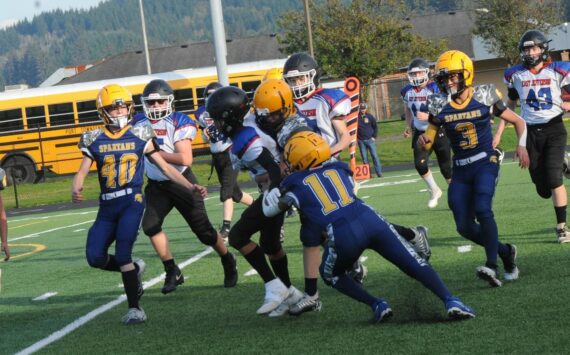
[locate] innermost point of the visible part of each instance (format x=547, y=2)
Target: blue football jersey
x=324, y=195
x=468, y=126
x=119, y=156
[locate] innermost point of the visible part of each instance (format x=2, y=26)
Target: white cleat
x=134, y=316
x=275, y=293
x=294, y=296
x=435, y=195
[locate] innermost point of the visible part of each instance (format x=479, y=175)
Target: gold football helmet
x=451, y=63
x=113, y=96
x=272, y=104
x=305, y=150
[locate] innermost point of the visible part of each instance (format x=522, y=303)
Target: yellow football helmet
x=305, y=150
x=274, y=73
x=272, y=104
x=454, y=62
x=113, y=96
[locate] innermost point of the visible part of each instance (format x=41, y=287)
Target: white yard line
x=99, y=310
x=45, y=296
x=34, y=235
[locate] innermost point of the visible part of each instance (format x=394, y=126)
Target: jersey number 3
x=320, y=191
x=126, y=167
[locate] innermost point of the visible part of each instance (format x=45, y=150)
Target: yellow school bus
x=40, y=127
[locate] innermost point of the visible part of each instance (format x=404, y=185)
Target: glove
x=270, y=203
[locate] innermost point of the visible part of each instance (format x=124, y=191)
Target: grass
x=393, y=149
x=525, y=317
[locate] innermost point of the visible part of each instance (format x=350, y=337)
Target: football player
x=118, y=151
x=175, y=132
x=277, y=115
x=257, y=152
x=415, y=96
x=230, y=191
x=539, y=84
x=323, y=190
x=467, y=123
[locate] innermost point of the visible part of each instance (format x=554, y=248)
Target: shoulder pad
x=433, y=87
x=87, y=138
x=486, y=94
x=562, y=68
x=405, y=90
x=436, y=102
x=143, y=131
x=292, y=125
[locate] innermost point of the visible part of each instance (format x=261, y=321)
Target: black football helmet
x=533, y=38
x=210, y=88
x=228, y=106
x=418, y=72
x=157, y=90
x=302, y=73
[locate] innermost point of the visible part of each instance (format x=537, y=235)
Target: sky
x=16, y=10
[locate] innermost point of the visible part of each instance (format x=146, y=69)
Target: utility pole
x=147, y=57
x=219, y=41
x=309, y=32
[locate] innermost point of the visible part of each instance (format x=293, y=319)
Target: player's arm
x=565, y=105
x=409, y=122
x=182, y=154
x=79, y=179
x=4, y=230
x=426, y=139
x=339, y=125
x=153, y=153
x=508, y=115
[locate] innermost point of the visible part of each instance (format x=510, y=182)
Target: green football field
x=51, y=301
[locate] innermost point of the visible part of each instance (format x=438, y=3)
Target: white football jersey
x=248, y=143
x=539, y=93
x=170, y=130
x=416, y=101
x=323, y=106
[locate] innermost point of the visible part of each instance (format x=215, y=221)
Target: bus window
x=36, y=117
x=11, y=120
x=87, y=111
x=61, y=114
x=184, y=101
x=138, y=103
x=200, y=97
x=249, y=87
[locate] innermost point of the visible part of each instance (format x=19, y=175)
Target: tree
x=503, y=24
x=367, y=39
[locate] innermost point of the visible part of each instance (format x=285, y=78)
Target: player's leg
x=100, y=236
x=421, y=160
x=442, y=150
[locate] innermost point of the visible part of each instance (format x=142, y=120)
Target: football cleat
x=275, y=293
x=500, y=153
x=306, y=304
x=230, y=271
x=134, y=316
x=458, y=310
x=141, y=266
x=291, y=212
x=382, y=311
x=511, y=269
x=282, y=235
x=294, y=296
x=420, y=242
x=172, y=279
x=434, y=197
x=563, y=234
x=358, y=272
x=566, y=167
x=490, y=275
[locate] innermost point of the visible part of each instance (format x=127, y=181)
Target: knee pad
x=225, y=195
x=554, y=181
x=151, y=231
x=272, y=247
x=236, y=197
x=96, y=261
x=421, y=166
x=543, y=191
x=236, y=239
x=209, y=238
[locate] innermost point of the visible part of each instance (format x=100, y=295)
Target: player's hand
x=565, y=106
x=522, y=155
x=407, y=132
x=76, y=195
x=6, y=250
x=496, y=141
x=423, y=140
x=272, y=196
x=201, y=190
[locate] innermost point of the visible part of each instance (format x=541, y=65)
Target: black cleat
x=230, y=270
x=173, y=278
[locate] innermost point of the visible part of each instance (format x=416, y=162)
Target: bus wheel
x=19, y=168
